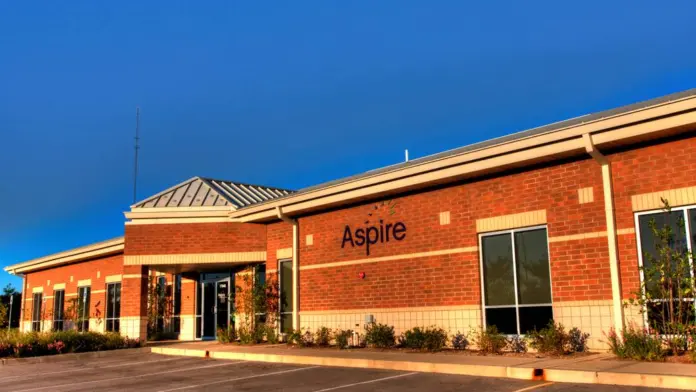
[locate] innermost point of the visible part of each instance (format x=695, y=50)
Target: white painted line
x=365, y=382
x=238, y=379
x=85, y=369
x=534, y=387
x=129, y=377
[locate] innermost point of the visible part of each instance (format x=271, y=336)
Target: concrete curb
x=74, y=356
x=521, y=373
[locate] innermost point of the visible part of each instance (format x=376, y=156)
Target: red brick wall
x=278, y=236
x=454, y=279
x=667, y=165
x=194, y=238
x=111, y=265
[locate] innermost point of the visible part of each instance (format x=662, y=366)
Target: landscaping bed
x=14, y=344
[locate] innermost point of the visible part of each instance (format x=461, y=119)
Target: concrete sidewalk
x=593, y=369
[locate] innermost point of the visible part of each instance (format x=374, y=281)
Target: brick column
x=134, y=301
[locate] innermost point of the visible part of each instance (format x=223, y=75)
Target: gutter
x=609, y=214
x=295, y=266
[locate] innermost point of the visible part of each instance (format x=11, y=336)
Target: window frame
x=58, y=317
x=82, y=321
x=517, y=306
x=639, y=247
x=280, y=295
x=36, y=312
x=115, y=321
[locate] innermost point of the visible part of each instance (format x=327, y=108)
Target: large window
x=682, y=224
x=176, y=304
x=58, y=305
x=113, y=307
x=286, y=305
x=516, y=280
x=37, y=301
x=260, y=282
x=83, y=297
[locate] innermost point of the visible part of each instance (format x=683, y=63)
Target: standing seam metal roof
x=208, y=192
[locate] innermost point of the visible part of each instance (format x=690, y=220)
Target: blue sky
x=291, y=94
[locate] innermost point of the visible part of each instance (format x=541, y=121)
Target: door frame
x=214, y=280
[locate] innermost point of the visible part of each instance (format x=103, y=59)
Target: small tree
x=668, y=286
x=256, y=300
x=158, y=306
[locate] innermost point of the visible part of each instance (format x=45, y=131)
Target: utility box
x=369, y=319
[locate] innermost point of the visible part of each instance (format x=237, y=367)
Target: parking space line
x=366, y=382
x=534, y=387
x=129, y=377
x=91, y=368
x=238, y=379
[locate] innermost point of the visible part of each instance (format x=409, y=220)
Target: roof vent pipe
x=406, y=153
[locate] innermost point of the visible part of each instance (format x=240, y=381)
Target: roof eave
x=98, y=249
x=616, y=129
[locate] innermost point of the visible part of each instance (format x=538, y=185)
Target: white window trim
x=514, y=272
x=687, y=227
x=106, y=313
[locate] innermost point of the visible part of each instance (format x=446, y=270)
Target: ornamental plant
x=379, y=335
x=257, y=307
x=667, y=288
x=489, y=340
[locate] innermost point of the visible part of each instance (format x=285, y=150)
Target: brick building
x=548, y=223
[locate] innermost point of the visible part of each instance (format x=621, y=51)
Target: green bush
x=228, y=335
x=490, y=341
x=342, y=337
x=155, y=336
x=271, y=334
x=636, y=344
x=460, y=341
x=550, y=340
x=379, y=335
x=19, y=344
x=517, y=344
x=294, y=338
x=431, y=339
x=323, y=336
x=577, y=340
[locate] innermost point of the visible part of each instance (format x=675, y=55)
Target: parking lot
x=152, y=372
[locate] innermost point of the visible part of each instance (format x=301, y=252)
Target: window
x=36, y=312
x=260, y=281
x=176, y=311
x=682, y=222
x=58, y=308
x=516, y=280
x=83, y=296
x=113, y=307
x=285, y=272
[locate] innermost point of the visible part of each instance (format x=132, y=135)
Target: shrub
x=163, y=335
x=294, y=337
x=550, y=340
x=323, y=336
x=307, y=339
x=517, y=344
x=379, y=335
x=50, y=343
x=342, y=337
x=460, y=341
x=489, y=340
x=271, y=334
x=226, y=335
x=246, y=335
x=577, y=340
x=636, y=344
x=431, y=339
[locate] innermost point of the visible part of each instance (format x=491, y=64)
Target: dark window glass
x=199, y=309
x=533, y=276
x=58, y=309
x=286, y=296
x=260, y=274
x=83, y=299
x=113, y=307
x=498, y=279
x=37, y=300
x=505, y=319
x=658, y=314
x=177, y=295
x=649, y=243
x=534, y=318
x=530, y=261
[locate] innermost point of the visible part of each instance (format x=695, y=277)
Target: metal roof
x=208, y=192
x=550, y=128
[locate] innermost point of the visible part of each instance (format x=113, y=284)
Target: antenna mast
x=137, y=147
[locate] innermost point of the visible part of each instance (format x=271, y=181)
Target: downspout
x=611, y=230
x=295, y=266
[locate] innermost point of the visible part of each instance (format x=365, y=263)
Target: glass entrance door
x=215, y=293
